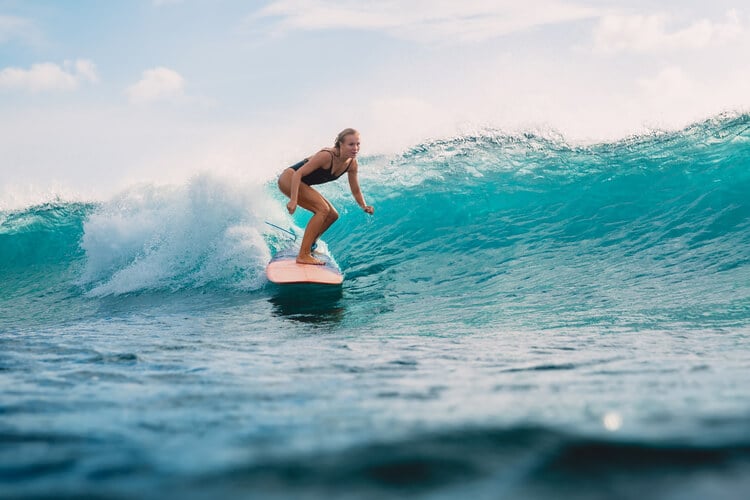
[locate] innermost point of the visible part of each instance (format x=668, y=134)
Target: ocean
x=522, y=317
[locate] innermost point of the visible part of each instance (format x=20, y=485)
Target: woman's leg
x=313, y=201
x=333, y=215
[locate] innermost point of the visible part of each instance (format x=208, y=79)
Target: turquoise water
x=521, y=317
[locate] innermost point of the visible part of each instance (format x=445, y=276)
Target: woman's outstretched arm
x=356, y=191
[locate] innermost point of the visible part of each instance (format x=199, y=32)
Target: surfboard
x=284, y=270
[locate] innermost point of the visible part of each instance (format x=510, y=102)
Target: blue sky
x=100, y=94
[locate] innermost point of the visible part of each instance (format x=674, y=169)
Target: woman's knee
x=323, y=210
x=333, y=215
x=284, y=183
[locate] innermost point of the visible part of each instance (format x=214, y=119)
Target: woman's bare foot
x=309, y=259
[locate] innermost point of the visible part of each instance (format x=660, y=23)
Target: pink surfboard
x=284, y=270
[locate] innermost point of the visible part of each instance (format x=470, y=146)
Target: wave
x=208, y=232
x=491, y=462
x=523, y=462
x=643, y=230
x=44, y=233
x=660, y=221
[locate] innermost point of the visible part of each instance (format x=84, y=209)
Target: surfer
x=326, y=165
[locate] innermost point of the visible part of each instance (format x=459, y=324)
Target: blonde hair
x=342, y=134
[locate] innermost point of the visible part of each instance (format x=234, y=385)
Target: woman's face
x=350, y=146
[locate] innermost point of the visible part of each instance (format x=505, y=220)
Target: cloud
x=86, y=70
x=675, y=96
x=17, y=28
x=617, y=33
x=157, y=84
x=670, y=83
x=444, y=21
x=416, y=118
x=49, y=76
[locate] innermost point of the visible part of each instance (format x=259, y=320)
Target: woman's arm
x=318, y=160
x=356, y=191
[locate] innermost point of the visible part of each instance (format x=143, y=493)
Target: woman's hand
x=369, y=210
x=291, y=206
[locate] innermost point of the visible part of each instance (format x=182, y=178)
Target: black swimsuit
x=322, y=175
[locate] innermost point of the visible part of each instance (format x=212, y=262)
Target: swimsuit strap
x=331, y=167
x=347, y=167
x=331, y=153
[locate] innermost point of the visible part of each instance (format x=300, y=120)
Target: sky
x=98, y=95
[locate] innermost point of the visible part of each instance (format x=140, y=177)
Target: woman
x=324, y=166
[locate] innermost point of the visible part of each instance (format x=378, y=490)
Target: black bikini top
x=322, y=175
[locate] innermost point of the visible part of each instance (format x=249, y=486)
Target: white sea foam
x=209, y=231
